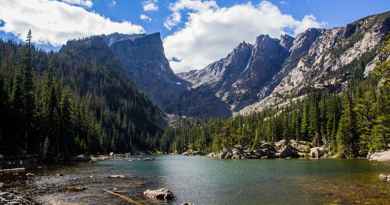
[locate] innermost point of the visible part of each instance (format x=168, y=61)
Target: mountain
x=274, y=71
x=334, y=57
x=142, y=58
x=90, y=67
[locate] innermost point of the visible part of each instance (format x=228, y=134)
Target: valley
x=106, y=120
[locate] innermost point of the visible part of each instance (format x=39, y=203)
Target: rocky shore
x=283, y=149
x=13, y=198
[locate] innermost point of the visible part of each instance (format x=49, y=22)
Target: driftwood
x=123, y=197
x=12, y=171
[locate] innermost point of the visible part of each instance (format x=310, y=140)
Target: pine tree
x=347, y=139
x=365, y=113
x=28, y=91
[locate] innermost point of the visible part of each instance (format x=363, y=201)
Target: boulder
x=379, y=156
x=384, y=177
x=236, y=151
x=228, y=155
x=301, y=146
x=82, y=158
x=280, y=145
x=221, y=155
x=212, y=155
x=236, y=157
x=159, y=194
x=1, y=185
x=317, y=152
x=288, y=152
x=238, y=146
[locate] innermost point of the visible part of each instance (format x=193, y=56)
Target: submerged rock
x=159, y=194
x=380, y=156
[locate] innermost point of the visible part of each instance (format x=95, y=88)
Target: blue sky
x=197, y=32
x=332, y=12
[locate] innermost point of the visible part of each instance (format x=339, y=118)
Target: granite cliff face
x=253, y=76
x=273, y=71
x=332, y=57
x=142, y=59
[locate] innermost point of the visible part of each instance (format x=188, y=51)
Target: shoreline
x=81, y=183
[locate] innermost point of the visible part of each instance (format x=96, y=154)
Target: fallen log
x=12, y=171
x=123, y=197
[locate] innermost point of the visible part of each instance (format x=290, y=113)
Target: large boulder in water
x=159, y=194
x=380, y=156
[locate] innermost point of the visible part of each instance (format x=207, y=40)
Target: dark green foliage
x=57, y=105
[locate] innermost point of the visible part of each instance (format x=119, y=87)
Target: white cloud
x=191, y=5
x=56, y=22
x=308, y=21
x=211, y=32
x=145, y=17
x=85, y=3
x=150, y=5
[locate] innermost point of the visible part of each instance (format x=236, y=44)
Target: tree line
x=56, y=105
x=352, y=123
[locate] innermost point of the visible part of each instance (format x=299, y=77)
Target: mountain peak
x=286, y=41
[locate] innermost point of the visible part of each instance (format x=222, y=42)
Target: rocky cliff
x=272, y=71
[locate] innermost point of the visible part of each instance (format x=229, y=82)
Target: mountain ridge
x=317, y=59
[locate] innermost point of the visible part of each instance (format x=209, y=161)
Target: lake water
x=203, y=181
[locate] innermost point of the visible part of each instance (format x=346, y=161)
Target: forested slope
x=56, y=105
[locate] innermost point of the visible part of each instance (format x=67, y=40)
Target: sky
x=194, y=32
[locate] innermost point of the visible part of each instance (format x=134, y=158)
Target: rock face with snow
x=253, y=76
x=144, y=58
x=326, y=59
x=271, y=71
